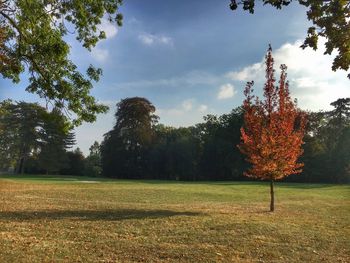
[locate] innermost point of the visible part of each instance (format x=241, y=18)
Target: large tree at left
x=32, y=40
x=27, y=131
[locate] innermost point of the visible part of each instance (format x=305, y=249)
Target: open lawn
x=69, y=219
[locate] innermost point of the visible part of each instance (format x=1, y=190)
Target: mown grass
x=70, y=219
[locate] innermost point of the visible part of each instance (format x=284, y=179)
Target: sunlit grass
x=70, y=219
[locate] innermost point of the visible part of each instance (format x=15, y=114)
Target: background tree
x=75, y=163
x=219, y=160
x=56, y=138
x=92, y=165
x=6, y=135
x=340, y=163
x=21, y=127
x=336, y=138
x=29, y=132
x=129, y=141
x=273, y=130
x=330, y=18
x=175, y=153
x=340, y=116
x=315, y=150
x=32, y=40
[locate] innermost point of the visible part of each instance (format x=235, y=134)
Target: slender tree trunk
x=22, y=165
x=19, y=164
x=272, y=193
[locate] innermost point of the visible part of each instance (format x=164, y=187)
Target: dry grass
x=60, y=220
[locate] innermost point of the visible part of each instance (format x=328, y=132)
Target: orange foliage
x=273, y=129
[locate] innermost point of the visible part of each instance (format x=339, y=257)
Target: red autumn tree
x=273, y=130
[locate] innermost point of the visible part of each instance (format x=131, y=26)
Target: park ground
x=72, y=219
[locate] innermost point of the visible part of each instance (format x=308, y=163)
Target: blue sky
x=192, y=58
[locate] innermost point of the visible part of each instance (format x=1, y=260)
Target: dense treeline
x=34, y=140
x=327, y=145
x=139, y=147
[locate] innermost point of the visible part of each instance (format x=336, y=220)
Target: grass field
x=68, y=219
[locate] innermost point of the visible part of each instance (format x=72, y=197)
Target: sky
x=191, y=58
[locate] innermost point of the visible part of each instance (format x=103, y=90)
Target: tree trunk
x=19, y=165
x=22, y=165
x=272, y=193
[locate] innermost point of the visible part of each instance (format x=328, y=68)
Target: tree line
x=34, y=140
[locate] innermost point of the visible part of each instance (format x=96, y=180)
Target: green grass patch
x=79, y=219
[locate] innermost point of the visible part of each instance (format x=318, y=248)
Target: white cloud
x=311, y=79
x=133, y=21
x=194, y=78
x=226, y=91
x=150, y=39
x=202, y=108
x=187, y=105
x=146, y=39
x=165, y=40
x=247, y=73
x=184, y=114
x=110, y=28
x=100, y=54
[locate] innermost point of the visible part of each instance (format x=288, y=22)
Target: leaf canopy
x=32, y=40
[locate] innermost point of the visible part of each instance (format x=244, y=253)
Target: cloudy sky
x=192, y=58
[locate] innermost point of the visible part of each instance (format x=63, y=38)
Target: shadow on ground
x=92, y=215
x=277, y=184
x=244, y=183
x=306, y=185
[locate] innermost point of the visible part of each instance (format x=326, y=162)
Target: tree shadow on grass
x=306, y=185
x=92, y=215
x=277, y=184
